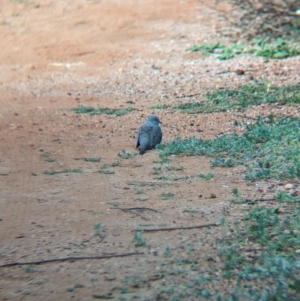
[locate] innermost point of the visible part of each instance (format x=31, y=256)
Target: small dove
x=149, y=134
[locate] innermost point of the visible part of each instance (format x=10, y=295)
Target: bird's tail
x=142, y=150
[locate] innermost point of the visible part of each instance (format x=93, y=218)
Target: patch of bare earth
x=57, y=55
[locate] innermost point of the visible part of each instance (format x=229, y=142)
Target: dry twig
x=128, y=210
x=142, y=208
x=178, y=228
x=70, y=258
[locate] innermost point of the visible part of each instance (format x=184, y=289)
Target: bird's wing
x=156, y=136
x=144, y=135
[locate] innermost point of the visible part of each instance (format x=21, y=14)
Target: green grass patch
x=149, y=184
x=170, y=178
x=274, y=272
x=248, y=95
x=125, y=155
x=100, y=110
x=47, y=158
x=268, y=48
x=104, y=169
x=142, y=200
x=98, y=229
x=106, y=172
x=206, y=176
x=138, y=191
x=167, y=252
x=160, y=106
x=123, y=290
x=138, y=239
x=68, y=170
x=268, y=149
x=91, y=159
x=222, y=52
x=135, y=281
x=28, y=268
x=192, y=211
x=257, y=260
x=274, y=50
x=206, y=47
x=167, y=196
x=224, y=100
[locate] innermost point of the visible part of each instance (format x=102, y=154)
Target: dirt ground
x=57, y=55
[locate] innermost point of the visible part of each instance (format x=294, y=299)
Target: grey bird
x=149, y=134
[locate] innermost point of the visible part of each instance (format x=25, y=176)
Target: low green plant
x=100, y=110
x=186, y=261
x=248, y=95
x=28, y=268
x=206, y=47
x=190, y=248
x=274, y=272
x=167, y=195
x=230, y=51
x=68, y=170
x=278, y=49
x=223, y=52
x=160, y=106
x=142, y=199
x=208, y=176
x=268, y=148
x=135, y=281
x=170, y=177
x=138, y=239
x=167, y=252
x=98, y=229
x=283, y=196
x=139, y=191
x=92, y=159
x=157, y=169
x=104, y=169
x=193, y=211
x=265, y=47
x=123, y=290
x=236, y=196
x=75, y=170
x=232, y=259
x=47, y=158
x=125, y=155
x=222, y=162
x=148, y=184
x=235, y=192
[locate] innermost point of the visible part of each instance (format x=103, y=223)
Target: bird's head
x=154, y=119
